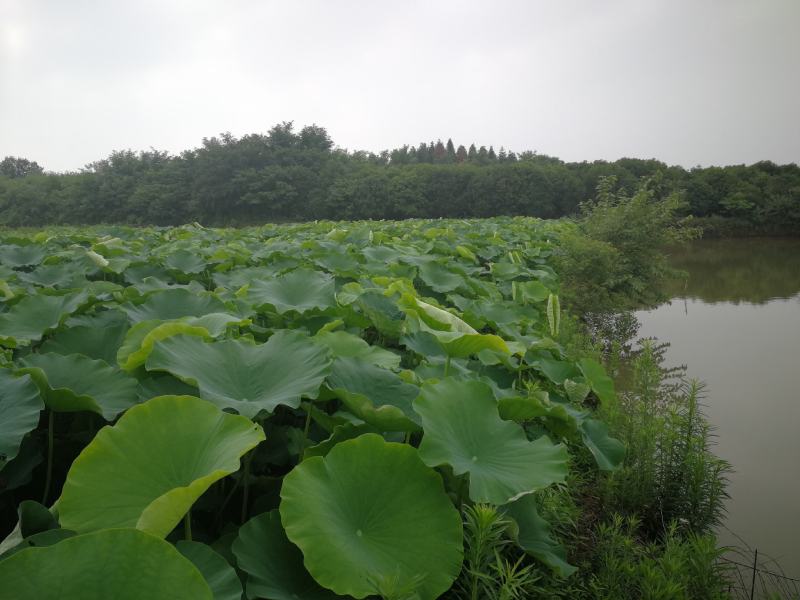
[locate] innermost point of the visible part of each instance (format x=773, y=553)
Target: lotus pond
x=283, y=412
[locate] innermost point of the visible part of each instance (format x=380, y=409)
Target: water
x=736, y=325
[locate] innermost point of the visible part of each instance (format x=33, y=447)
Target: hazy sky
x=689, y=82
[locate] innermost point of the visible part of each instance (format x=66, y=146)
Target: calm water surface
x=736, y=325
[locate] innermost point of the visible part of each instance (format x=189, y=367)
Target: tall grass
x=670, y=474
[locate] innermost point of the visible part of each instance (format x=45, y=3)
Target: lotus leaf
x=375, y=395
x=20, y=405
x=125, y=564
x=607, y=451
x=371, y=511
x=30, y=318
x=166, y=305
x=75, y=382
x=300, y=290
x=21, y=256
x=274, y=565
x=148, y=469
x=463, y=428
x=246, y=377
x=532, y=533
x=99, y=338
x=598, y=380
x=219, y=575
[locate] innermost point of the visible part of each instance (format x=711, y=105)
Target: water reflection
x=753, y=270
x=735, y=323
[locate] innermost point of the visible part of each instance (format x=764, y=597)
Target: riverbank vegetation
x=293, y=174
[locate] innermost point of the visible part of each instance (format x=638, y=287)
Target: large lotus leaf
x=124, y=564
x=30, y=318
x=344, y=344
x=100, y=338
x=21, y=256
x=370, y=512
x=596, y=377
x=532, y=533
x=274, y=565
x=219, y=575
x=382, y=312
x=299, y=290
x=186, y=262
x=20, y=405
x=375, y=395
x=72, y=383
x=148, y=469
x=463, y=428
x=555, y=370
x=171, y=304
x=607, y=451
x=246, y=377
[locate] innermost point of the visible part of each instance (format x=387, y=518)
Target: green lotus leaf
x=439, y=278
x=30, y=318
x=344, y=344
x=274, y=565
x=299, y=290
x=532, y=533
x=607, y=451
x=246, y=377
x=62, y=275
x=34, y=518
x=219, y=575
x=530, y=291
x=163, y=384
x=37, y=540
x=340, y=433
x=382, y=312
x=99, y=338
x=141, y=338
x=125, y=564
x=186, y=262
x=521, y=408
x=556, y=371
x=598, y=380
x=19, y=471
x=463, y=428
x=72, y=383
x=371, y=511
x=375, y=395
x=148, y=469
x=20, y=405
x=21, y=256
x=166, y=305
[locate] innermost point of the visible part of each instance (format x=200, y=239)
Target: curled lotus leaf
x=148, y=469
x=370, y=511
x=463, y=429
x=20, y=405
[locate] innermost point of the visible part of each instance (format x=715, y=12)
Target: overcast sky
x=689, y=82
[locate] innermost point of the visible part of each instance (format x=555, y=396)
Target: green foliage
x=681, y=567
x=613, y=257
x=669, y=473
x=290, y=174
x=379, y=399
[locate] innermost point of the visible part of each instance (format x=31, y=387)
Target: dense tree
x=15, y=167
x=289, y=174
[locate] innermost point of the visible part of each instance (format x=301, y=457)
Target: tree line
x=291, y=174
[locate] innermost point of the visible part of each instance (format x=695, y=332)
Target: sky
x=690, y=82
